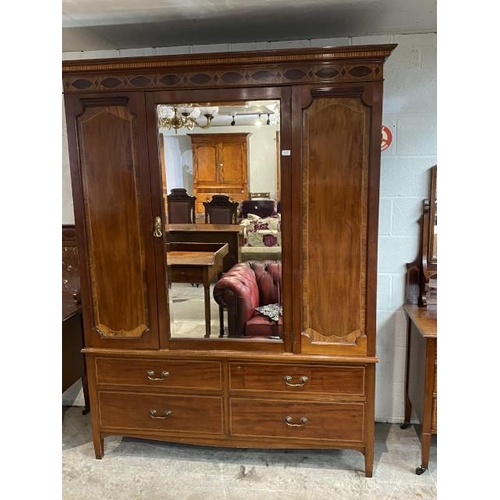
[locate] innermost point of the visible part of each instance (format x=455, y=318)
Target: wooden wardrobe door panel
x=206, y=164
x=117, y=216
x=233, y=164
x=334, y=207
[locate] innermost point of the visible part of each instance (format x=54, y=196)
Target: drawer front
x=199, y=414
x=332, y=380
x=185, y=274
x=159, y=373
x=297, y=420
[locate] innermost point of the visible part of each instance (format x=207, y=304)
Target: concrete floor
x=150, y=470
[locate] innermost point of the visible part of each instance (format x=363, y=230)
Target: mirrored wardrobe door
x=220, y=175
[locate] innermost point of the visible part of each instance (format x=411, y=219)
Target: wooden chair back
x=180, y=207
x=221, y=210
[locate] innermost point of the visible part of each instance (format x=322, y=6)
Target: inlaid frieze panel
x=334, y=65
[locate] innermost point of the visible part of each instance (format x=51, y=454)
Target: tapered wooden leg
x=86, y=397
x=221, y=321
x=207, y=311
x=369, y=462
x=98, y=444
x=370, y=420
x=426, y=449
x=406, y=422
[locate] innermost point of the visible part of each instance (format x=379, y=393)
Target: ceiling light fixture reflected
x=177, y=116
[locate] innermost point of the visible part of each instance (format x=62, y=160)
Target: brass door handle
x=157, y=224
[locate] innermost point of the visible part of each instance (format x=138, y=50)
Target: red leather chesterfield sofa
x=245, y=287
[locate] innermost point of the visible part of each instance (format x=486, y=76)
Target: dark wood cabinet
x=315, y=386
x=220, y=166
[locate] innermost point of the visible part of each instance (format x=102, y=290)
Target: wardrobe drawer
x=159, y=373
x=332, y=380
x=194, y=414
x=297, y=420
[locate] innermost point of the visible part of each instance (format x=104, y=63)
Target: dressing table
x=421, y=312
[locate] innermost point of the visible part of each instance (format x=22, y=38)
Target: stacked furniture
x=313, y=386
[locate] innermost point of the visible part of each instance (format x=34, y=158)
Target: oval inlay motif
x=263, y=75
x=327, y=73
x=140, y=81
x=294, y=74
x=170, y=80
x=231, y=77
x=360, y=71
x=82, y=84
x=110, y=83
x=200, y=78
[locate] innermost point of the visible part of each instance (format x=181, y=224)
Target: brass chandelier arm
x=183, y=116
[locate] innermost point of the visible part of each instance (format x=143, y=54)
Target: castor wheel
x=420, y=470
x=405, y=425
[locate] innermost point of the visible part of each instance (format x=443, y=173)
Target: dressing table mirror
x=421, y=286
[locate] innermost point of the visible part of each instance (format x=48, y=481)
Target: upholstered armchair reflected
x=261, y=207
x=180, y=207
x=221, y=210
x=246, y=287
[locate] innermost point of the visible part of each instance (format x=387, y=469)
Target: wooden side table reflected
x=197, y=263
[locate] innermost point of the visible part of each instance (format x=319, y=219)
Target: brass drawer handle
x=166, y=413
x=302, y=381
x=162, y=376
x=289, y=422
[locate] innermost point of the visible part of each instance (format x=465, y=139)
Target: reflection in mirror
x=222, y=153
x=433, y=217
x=428, y=283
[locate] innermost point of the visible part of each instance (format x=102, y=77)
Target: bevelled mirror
x=220, y=170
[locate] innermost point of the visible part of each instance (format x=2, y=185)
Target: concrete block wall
x=410, y=112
